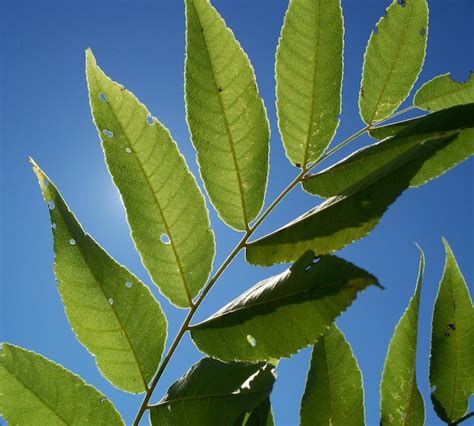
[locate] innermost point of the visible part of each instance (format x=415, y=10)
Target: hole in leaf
x=107, y=133
x=72, y=241
x=402, y=3
x=165, y=239
x=149, y=119
x=103, y=399
x=51, y=205
x=251, y=340
x=46, y=182
x=111, y=301
x=102, y=97
x=128, y=284
x=53, y=225
x=308, y=268
x=422, y=32
x=376, y=30
x=316, y=260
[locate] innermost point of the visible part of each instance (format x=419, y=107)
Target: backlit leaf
x=401, y=402
x=333, y=394
x=165, y=209
x=393, y=59
x=214, y=393
x=37, y=391
x=452, y=344
x=226, y=116
x=344, y=218
x=113, y=314
x=375, y=159
x=284, y=313
x=443, y=92
x=309, y=77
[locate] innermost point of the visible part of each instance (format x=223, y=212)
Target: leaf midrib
x=157, y=202
x=264, y=302
x=226, y=124
x=99, y=283
x=313, y=85
x=29, y=389
x=392, y=68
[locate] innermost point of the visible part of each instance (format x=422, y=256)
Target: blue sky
x=45, y=113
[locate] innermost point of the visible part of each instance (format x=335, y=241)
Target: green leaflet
x=375, y=159
x=443, y=92
x=392, y=129
x=113, y=314
x=342, y=219
x=333, y=394
x=309, y=77
x=452, y=344
x=393, y=59
x=214, y=393
x=165, y=209
x=401, y=402
x=36, y=391
x=226, y=116
x=284, y=313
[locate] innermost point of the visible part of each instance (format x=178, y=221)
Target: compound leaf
x=377, y=158
x=165, y=209
x=393, y=59
x=452, y=344
x=214, y=393
x=226, y=116
x=113, y=314
x=443, y=92
x=284, y=313
x=333, y=394
x=309, y=77
x=401, y=402
x=344, y=218
x=37, y=391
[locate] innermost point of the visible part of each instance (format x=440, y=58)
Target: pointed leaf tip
x=401, y=402
x=166, y=212
x=452, y=343
x=104, y=312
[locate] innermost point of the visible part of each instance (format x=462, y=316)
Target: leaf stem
x=242, y=243
x=462, y=419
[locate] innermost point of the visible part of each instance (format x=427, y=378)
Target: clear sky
x=140, y=43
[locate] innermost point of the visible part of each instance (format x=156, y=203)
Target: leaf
x=401, y=402
x=214, y=393
x=443, y=92
x=113, y=314
x=309, y=77
x=342, y=219
x=393, y=59
x=375, y=159
x=333, y=394
x=37, y=391
x=226, y=116
x=284, y=313
x=452, y=344
x=392, y=129
x=165, y=208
